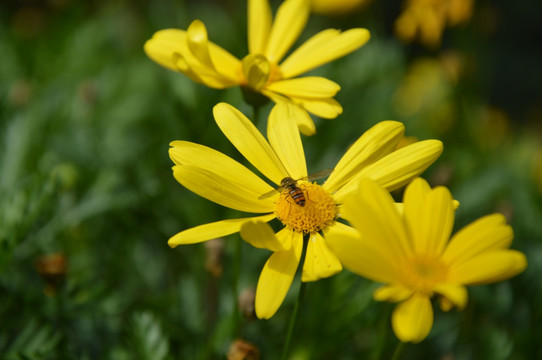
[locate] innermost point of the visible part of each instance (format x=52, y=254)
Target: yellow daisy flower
x=412, y=253
x=224, y=181
x=263, y=71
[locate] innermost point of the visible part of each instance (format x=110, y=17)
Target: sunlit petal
x=290, y=20
x=359, y=255
x=306, y=87
x=487, y=233
x=375, y=143
x=222, y=190
x=213, y=230
x=412, y=319
x=322, y=48
x=284, y=138
x=398, y=168
x=259, y=234
x=325, y=108
x=197, y=42
x=188, y=153
x=259, y=25
x=487, y=268
x=275, y=280
x=249, y=141
x=320, y=262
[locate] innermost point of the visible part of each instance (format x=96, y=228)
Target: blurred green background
x=88, y=201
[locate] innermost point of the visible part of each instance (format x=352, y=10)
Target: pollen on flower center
x=258, y=71
x=422, y=273
x=318, y=211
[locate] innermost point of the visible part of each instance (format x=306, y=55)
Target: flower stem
x=295, y=311
x=398, y=351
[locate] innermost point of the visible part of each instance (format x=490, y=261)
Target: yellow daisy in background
x=263, y=71
x=224, y=181
x=337, y=7
x=412, y=253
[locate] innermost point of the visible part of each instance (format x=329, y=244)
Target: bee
x=295, y=191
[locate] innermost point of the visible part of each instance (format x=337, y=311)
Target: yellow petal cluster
x=224, y=181
x=265, y=69
x=415, y=255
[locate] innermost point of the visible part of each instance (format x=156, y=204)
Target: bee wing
x=318, y=175
x=270, y=193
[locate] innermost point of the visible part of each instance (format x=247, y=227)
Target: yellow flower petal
x=375, y=143
x=430, y=220
x=359, y=255
x=213, y=230
x=399, y=167
x=222, y=190
x=488, y=268
x=306, y=87
x=322, y=48
x=320, y=262
x=260, y=235
x=284, y=138
x=197, y=42
x=455, y=295
x=487, y=233
x=169, y=48
x=304, y=121
x=249, y=141
x=392, y=293
x=289, y=22
x=324, y=108
x=275, y=280
x=372, y=211
x=412, y=319
x=188, y=153
x=259, y=25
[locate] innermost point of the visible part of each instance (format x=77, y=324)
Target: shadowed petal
x=259, y=234
x=363, y=257
x=487, y=233
x=372, y=211
x=392, y=293
x=412, y=319
x=432, y=223
x=213, y=230
x=275, y=280
x=455, y=295
x=320, y=262
x=488, y=268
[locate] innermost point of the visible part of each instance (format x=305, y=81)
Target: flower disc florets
x=423, y=273
x=318, y=212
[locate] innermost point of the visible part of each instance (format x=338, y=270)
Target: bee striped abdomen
x=297, y=194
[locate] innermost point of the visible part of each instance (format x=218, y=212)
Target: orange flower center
x=306, y=208
x=258, y=71
x=422, y=273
